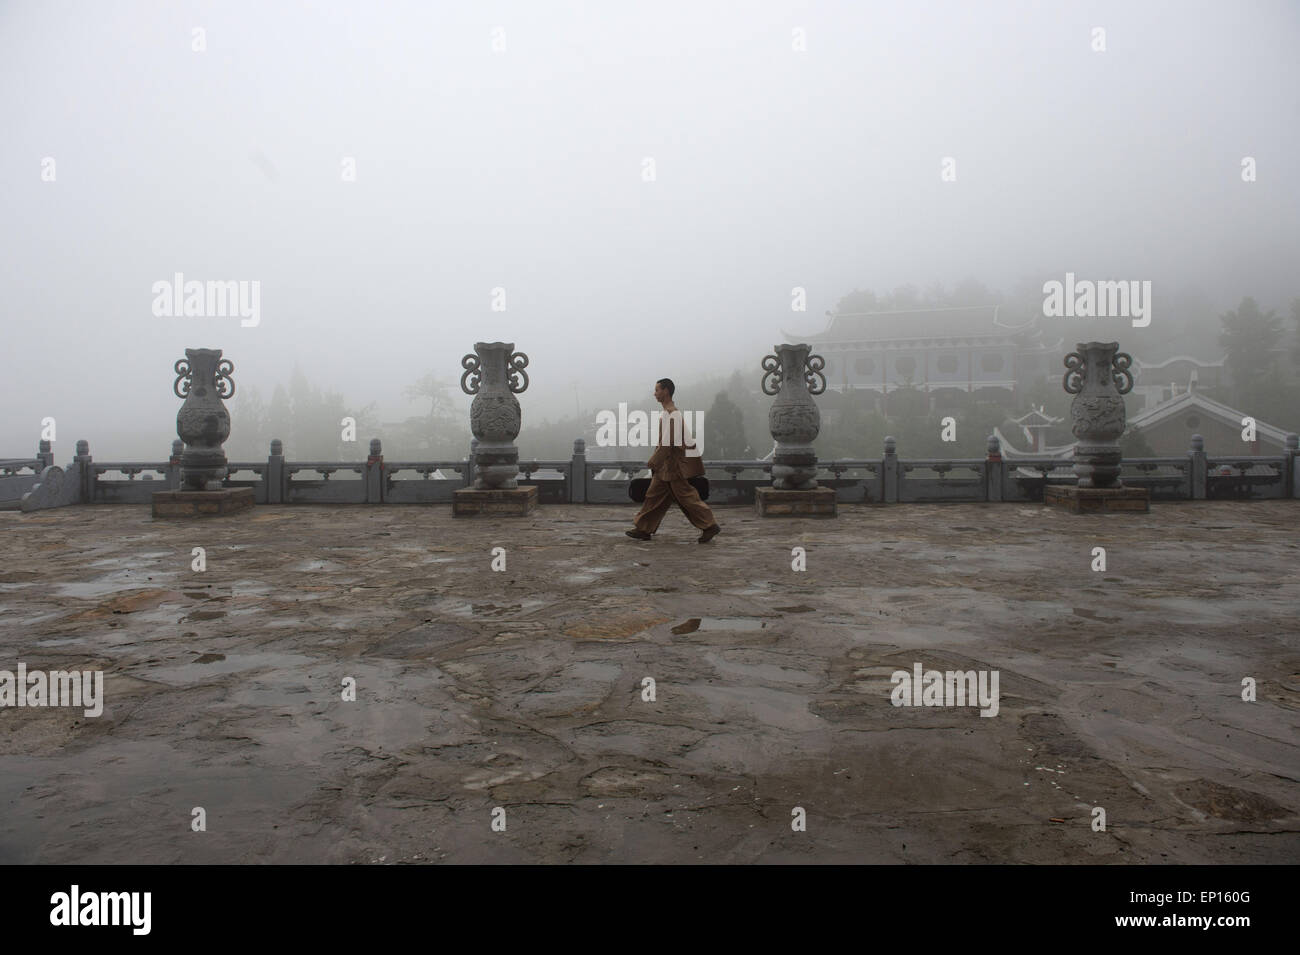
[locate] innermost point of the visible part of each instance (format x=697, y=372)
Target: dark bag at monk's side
x=636, y=489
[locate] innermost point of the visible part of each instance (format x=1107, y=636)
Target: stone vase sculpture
x=794, y=376
x=1098, y=377
x=494, y=374
x=203, y=380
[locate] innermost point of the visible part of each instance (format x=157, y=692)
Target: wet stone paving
x=523, y=689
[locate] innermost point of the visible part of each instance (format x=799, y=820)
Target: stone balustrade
x=19, y=475
x=888, y=479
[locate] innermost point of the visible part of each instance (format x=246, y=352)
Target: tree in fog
x=1251, y=337
x=1295, y=317
x=442, y=432
x=1133, y=444
x=724, y=435
x=307, y=419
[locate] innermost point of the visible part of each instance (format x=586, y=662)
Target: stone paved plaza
x=522, y=689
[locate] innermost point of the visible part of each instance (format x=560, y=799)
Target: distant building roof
x=1185, y=401
x=1215, y=409
x=1011, y=452
x=918, y=324
x=1198, y=362
x=1036, y=416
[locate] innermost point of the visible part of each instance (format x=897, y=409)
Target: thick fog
x=381, y=168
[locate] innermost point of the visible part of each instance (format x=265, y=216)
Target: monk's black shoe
x=709, y=533
x=638, y=535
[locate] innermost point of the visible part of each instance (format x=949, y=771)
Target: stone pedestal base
x=503, y=502
x=230, y=500
x=818, y=502
x=1086, y=500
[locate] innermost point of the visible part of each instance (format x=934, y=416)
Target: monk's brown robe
x=670, y=466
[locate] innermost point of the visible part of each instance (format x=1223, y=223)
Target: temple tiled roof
x=1011, y=452
x=1215, y=409
x=1035, y=416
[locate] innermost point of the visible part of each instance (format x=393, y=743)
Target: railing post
x=45, y=453
x=578, y=472
x=889, y=467
x=993, y=469
x=1197, y=454
x=275, y=473
x=375, y=473
x=1293, y=465
x=174, y=465
x=86, y=466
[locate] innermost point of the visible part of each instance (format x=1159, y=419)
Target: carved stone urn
x=1098, y=377
x=494, y=374
x=203, y=380
x=794, y=377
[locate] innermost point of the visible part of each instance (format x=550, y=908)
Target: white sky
x=523, y=169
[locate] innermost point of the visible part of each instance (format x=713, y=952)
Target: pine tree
x=725, y=430
x=1251, y=338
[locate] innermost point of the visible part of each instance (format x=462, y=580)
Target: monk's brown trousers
x=660, y=497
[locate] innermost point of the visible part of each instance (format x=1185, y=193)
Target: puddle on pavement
x=34, y=619
x=204, y=615
x=494, y=610
x=113, y=583
x=419, y=641
x=586, y=576
x=249, y=588
x=58, y=643
x=261, y=694
x=131, y=559
x=164, y=617
x=763, y=705
x=708, y=624
x=205, y=666
x=313, y=565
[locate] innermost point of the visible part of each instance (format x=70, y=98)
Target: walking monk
x=670, y=466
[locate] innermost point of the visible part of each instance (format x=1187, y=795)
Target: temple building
x=975, y=348
x=1034, y=425
x=1155, y=382
x=942, y=351
x=953, y=353
x=1167, y=427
